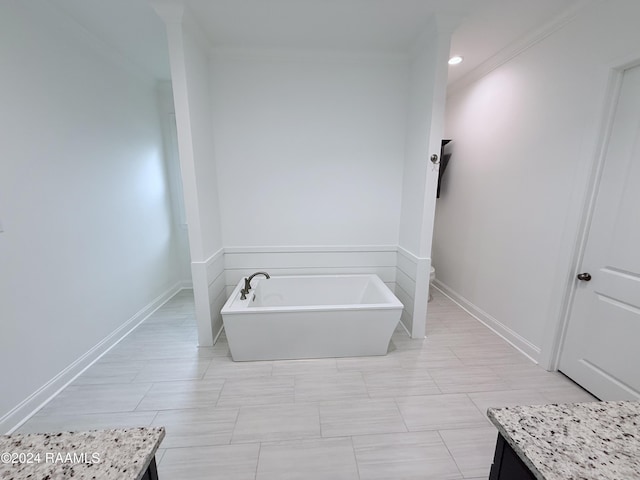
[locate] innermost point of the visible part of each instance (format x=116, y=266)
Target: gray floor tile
x=184, y=350
x=227, y=368
x=256, y=391
x=467, y=379
x=224, y=462
x=82, y=399
x=323, y=459
x=567, y=395
x=400, y=382
x=531, y=376
x=554, y=386
x=508, y=398
x=197, y=427
x=472, y=449
x=461, y=340
x=360, y=417
x=367, y=364
x=173, y=369
x=429, y=357
x=159, y=454
x=485, y=352
x=320, y=366
x=181, y=395
x=327, y=387
x=265, y=423
x=409, y=456
x=49, y=422
x=123, y=371
x=437, y=412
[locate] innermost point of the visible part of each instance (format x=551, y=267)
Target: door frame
x=555, y=335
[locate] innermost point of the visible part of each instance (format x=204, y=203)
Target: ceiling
x=486, y=27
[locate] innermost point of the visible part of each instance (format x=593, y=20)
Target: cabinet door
x=507, y=465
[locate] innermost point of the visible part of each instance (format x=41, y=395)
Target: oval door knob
x=584, y=277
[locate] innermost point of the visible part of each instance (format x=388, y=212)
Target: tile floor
x=417, y=413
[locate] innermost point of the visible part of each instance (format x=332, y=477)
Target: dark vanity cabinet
x=507, y=465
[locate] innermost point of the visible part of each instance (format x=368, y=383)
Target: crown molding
x=521, y=45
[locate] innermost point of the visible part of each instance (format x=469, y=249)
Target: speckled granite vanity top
x=577, y=441
x=122, y=454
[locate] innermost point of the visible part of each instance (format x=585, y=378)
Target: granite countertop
x=122, y=454
x=577, y=441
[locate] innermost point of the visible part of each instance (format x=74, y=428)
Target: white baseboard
x=38, y=399
x=523, y=345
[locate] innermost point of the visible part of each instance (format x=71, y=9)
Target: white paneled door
x=601, y=350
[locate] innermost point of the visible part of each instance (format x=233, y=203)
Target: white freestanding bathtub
x=311, y=317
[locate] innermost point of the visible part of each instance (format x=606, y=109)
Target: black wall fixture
x=445, y=156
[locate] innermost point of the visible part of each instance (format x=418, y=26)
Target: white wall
x=189, y=59
x=176, y=193
x=87, y=241
x=419, y=173
x=196, y=51
x=309, y=148
x=525, y=138
x=424, y=130
x=208, y=267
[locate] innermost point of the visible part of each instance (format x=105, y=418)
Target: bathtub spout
x=247, y=284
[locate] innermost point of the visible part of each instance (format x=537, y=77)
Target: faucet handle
x=247, y=284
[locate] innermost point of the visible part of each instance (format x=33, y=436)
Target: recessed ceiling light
x=455, y=60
